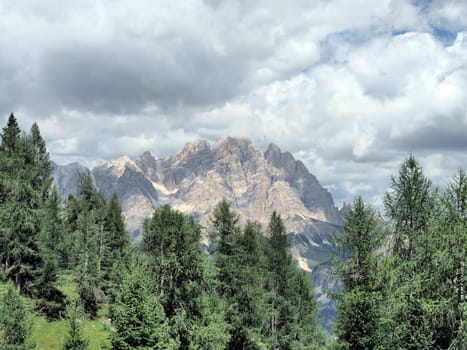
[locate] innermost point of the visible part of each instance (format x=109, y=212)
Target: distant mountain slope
x=196, y=178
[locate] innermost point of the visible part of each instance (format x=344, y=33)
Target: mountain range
x=201, y=174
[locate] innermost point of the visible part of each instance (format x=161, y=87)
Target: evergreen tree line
x=164, y=292
x=404, y=280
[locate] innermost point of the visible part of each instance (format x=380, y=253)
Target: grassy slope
x=51, y=335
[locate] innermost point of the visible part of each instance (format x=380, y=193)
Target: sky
x=351, y=88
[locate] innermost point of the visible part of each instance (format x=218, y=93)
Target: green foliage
x=28, y=217
x=49, y=300
x=15, y=323
x=225, y=226
x=115, y=245
x=409, y=205
x=74, y=339
x=138, y=316
x=211, y=332
x=412, y=294
x=171, y=240
x=87, y=220
x=402, y=288
x=359, y=302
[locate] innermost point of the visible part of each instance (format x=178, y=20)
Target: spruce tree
x=15, y=323
x=138, y=316
x=291, y=297
x=10, y=136
x=89, y=243
x=171, y=240
x=42, y=161
x=21, y=198
x=246, y=296
x=74, y=339
x=49, y=300
x=27, y=256
x=116, y=245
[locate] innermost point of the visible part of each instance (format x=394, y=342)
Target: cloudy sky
x=349, y=87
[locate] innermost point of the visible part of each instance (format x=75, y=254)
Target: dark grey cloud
x=127, y=79
x=444, y=133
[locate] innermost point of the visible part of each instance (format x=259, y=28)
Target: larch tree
x=409, y=205
x=358, y=310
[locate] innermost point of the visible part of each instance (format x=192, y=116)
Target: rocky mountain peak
x=190, y=149
x=236, y=150
x=148, y=164
x=314, y=196
x=118, y=166
x=232, y=143
x=272, y=152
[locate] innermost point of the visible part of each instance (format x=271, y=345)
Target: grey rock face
x=314, y=197
x=129, y=182
x=66, y=177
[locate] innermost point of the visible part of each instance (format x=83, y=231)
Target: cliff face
x=66, y=177
x=196, y=178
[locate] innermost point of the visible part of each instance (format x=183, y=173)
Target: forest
x=70, y=278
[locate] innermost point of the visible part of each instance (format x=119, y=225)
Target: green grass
x=66, y=284
x=51, y=335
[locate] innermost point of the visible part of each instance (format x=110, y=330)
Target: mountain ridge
x=255, y=183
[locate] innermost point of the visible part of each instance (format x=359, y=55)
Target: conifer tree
x=409, y=205
x=246, y=296
x=450, y=278
x=10, y=136
x=138, y=316
x=74, y=339
x=279, y=265
x=171, y=240
x=116, y=244
x=22, y=196
x=43, y=174
x=225, y=225
x=291, y=297
x=359, y=302
x=89, y=243
x=49, y=300
x=15, y=324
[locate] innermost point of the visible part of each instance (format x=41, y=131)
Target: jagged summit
x=201, y=174
x=119, y=165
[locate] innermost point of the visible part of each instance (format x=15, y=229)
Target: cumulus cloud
x=351, y=88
